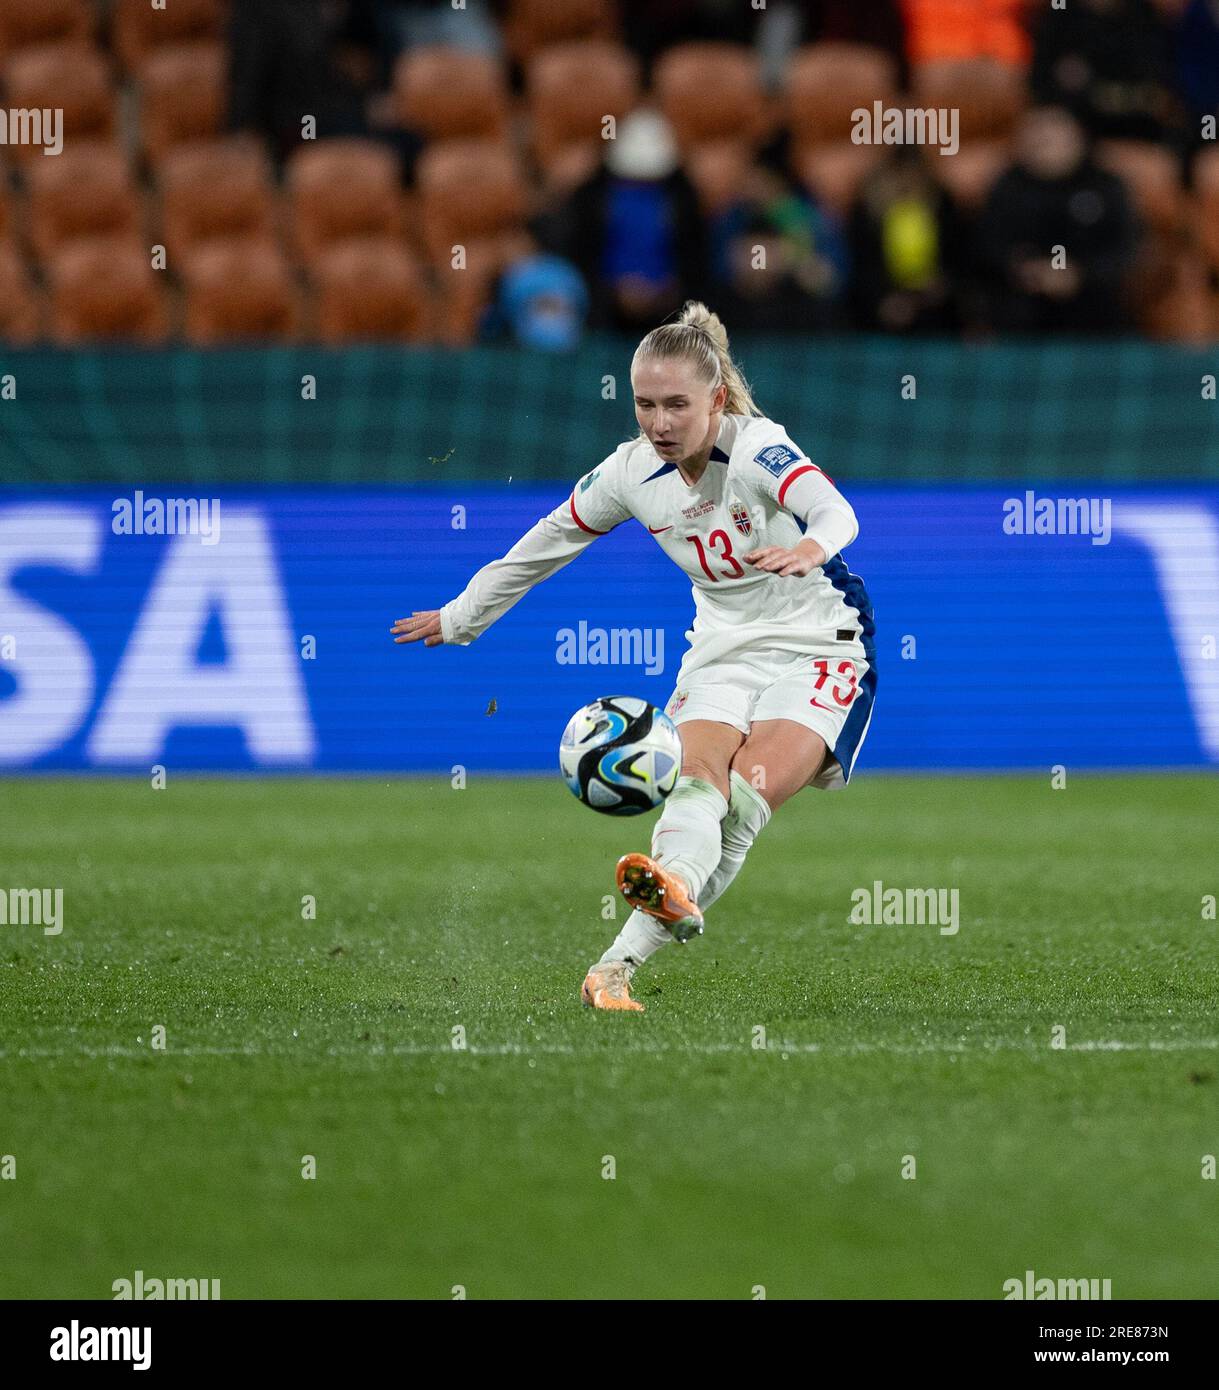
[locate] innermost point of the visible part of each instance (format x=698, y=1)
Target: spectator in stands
x=402, y=24
x=541, y=302
x=780, y=261
x=957, y=31
x=786, y=24
x=906, y=243
x=292, y=59
x=634, y=229
x=1109, y=62
x=651, y=26
x=1055, y=196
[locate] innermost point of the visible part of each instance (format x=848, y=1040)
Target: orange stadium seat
x=339, y=189
x=447, y=93
x=26, y=23
x=105, y=289
x=989, y=99
x=827, y=82
x=21, y=309
x=139, y=29
x=464, y=294
x=532, y=25
x=239, y=290
x=571, y=88
x=1206, y=207
x=711, y=91
x=183, y=96
x=469, y=190
x=717, y=169
x=87, y=191
x=219, y=188
x=369, y=290
x=1171, y=290
x=73, y=79
x=834, y=171
x=1152, y=175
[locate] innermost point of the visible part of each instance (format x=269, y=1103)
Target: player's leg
x=686, y=838
x=686, y=847
x=771, y=764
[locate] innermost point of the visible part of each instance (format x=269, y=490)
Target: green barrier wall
x=1119, y=411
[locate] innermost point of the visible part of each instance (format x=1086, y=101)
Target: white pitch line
x=629, y=1047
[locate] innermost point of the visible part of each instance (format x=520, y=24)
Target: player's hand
x=425, y=625
x=801, y=560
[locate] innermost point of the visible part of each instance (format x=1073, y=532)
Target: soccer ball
x=620, y=755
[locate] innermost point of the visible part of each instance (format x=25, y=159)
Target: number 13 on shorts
x=845, y=680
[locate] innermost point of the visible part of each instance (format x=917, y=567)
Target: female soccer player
x=775, y=692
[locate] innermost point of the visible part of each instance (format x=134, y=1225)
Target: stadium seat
x=989, y=96
x=104, y=289
x=1171, y=290
x=1152, y=174
x=369, y=290
x=464, y=294
x=969, y=174
x=215, y=189
x=711, y=91
x=183, y=93
x=29, y=23
x=139, y=29
x=87, y=191
x=834, y=171
x=1206, y=204
x=826, y=82
x=64, y=77
x=717, y=169
x=339, y=189
x=571, y=88
x=238, y=290
x=21, y=309
x=469, y=190
x=532, y=25
x=447, y=93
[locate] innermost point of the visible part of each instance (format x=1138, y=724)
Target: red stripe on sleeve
x=579, y=523
x=791, y=478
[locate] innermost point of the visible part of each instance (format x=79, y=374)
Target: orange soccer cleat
x=645, y=885
x=608, y=986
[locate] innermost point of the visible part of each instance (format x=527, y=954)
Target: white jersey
x=758, y=489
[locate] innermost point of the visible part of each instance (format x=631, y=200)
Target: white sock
x=641, y=937
x=748, y=812
x=687, y=836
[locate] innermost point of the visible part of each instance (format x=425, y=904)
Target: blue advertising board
x=1014, y=629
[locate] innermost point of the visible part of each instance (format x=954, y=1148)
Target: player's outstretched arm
x=555, y=541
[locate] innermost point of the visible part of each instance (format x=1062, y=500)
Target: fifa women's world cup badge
x=740, y=517
x=679, y=699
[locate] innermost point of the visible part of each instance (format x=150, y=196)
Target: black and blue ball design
x=620, y=755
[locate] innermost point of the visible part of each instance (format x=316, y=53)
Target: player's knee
x=708, y=772
x=748, y=810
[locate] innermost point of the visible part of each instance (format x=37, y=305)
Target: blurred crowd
x=527, y=170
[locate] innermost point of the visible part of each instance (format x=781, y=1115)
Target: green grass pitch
x=735, y=1167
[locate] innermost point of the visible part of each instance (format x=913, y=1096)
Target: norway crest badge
x=740, y=518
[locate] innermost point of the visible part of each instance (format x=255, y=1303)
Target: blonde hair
x=698, y=337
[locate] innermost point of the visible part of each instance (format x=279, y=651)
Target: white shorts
x=830, y=690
